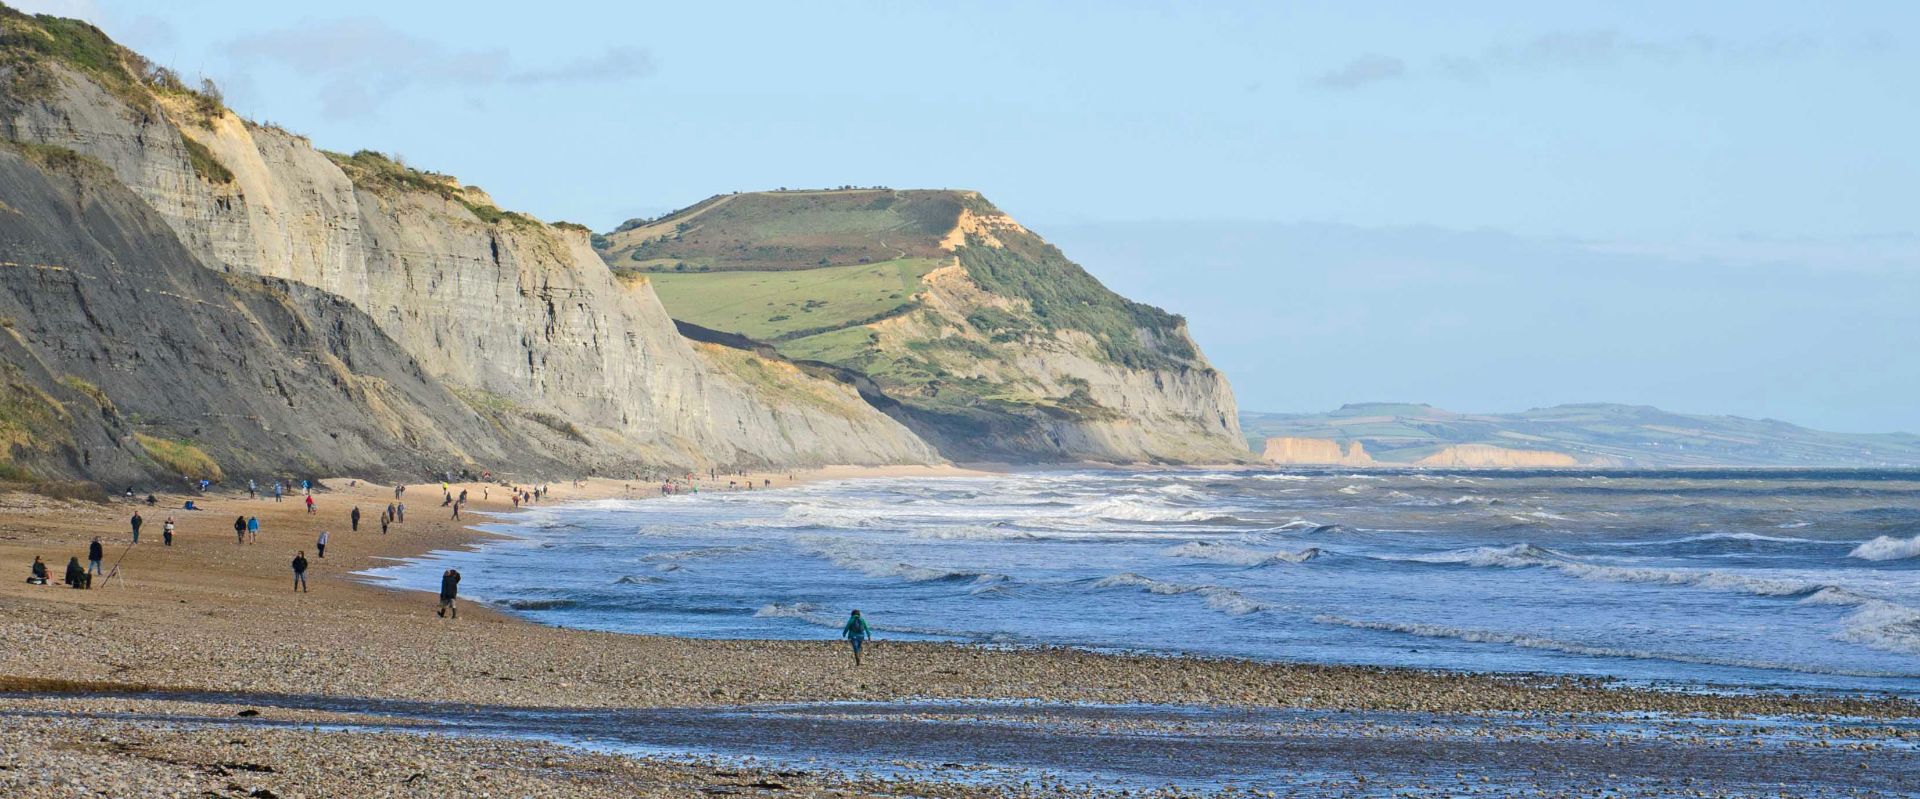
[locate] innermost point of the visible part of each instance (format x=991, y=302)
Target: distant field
x=768, y=305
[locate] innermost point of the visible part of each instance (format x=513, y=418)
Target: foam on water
x=1666, y=577
x=1887, y=547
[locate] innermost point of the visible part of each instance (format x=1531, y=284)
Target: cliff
x=1591, y=435
x=1483, y=456
x=1315, y=452
x=515, y=321
x=984, y=339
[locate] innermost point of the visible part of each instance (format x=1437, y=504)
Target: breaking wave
x=1887, y=547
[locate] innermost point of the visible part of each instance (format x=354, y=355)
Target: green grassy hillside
x=789, y=230
x=936, y=296
x=780, y=305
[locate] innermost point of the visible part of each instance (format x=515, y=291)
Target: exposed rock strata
x=510, y=314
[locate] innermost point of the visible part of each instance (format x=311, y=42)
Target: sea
x=1694, y=579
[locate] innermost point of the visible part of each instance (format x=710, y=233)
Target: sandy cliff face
x=1102, y=410
x=1315, y=452
x=510, y=313
x=1489, y=456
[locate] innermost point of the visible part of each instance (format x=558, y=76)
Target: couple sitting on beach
x=77, y=576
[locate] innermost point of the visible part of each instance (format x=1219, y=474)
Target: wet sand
x=210, y=615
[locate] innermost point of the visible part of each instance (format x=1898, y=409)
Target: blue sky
x=1752, y=164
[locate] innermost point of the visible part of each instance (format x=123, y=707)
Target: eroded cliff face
x=1315, y=452
x=1087, y=405
x=518, y=318
x=1488, y=456
x=123, y=357
x=984, y=338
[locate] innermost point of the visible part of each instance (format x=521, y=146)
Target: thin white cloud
x=1562, y=50
x=1362, y=71
x=361, y=63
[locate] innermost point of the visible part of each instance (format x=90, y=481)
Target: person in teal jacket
x=856, y=632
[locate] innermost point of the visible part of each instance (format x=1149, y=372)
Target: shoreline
x=211, y=616
x=218, y=579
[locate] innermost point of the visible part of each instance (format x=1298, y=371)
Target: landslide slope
x=993, y=344
x=516, y=319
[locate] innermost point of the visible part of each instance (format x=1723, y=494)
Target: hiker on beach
x=449, y=591
x=355, y=517
x=384, y=518
x=38, y=576
x=253, y=529
x=320, y=544
x=240, y=530
x=400, y=513
x=166, y=532
x=253, y=489
x=300, y=572
x=309, y=503
x=136, y=521
x=278, y=490
x=856, y=632
x=95, y=554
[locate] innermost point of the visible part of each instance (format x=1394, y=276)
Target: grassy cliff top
x=773, y=230
x=30, y=43
x=848, y=257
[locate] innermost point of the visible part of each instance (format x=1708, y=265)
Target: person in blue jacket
x=856, y=632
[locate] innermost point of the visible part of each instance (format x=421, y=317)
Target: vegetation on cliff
x=979, y=328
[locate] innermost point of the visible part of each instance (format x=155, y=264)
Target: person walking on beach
x=320, y=544
x=456, y=509
x=253, y=489
x=278, y=490
x=449, y=591
x=400, y=513
x=253, y=529
x=166, y=532
x=355, y=518
x=309, y=503
x=240, y=530
x=857, y=633
x=383, y=523
x=95, y=554
x=136, y=521
x=300, y=572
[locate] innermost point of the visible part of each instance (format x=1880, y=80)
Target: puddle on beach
x=1134, y=747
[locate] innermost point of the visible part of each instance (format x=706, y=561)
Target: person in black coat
x=77, y=576
x=449, y=591
x=95, y=554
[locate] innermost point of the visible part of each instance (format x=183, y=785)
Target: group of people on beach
x=246, y=530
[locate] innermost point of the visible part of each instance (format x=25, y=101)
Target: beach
x=208, y=615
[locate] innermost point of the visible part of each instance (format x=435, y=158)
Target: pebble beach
x=211, y=615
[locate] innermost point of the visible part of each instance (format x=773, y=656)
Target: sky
x=1708, y=207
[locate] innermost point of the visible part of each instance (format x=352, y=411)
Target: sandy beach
x=210, y=615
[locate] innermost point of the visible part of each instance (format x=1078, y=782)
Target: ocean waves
x=1650, y=578
x=1887, y=547
x=1220, y=598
